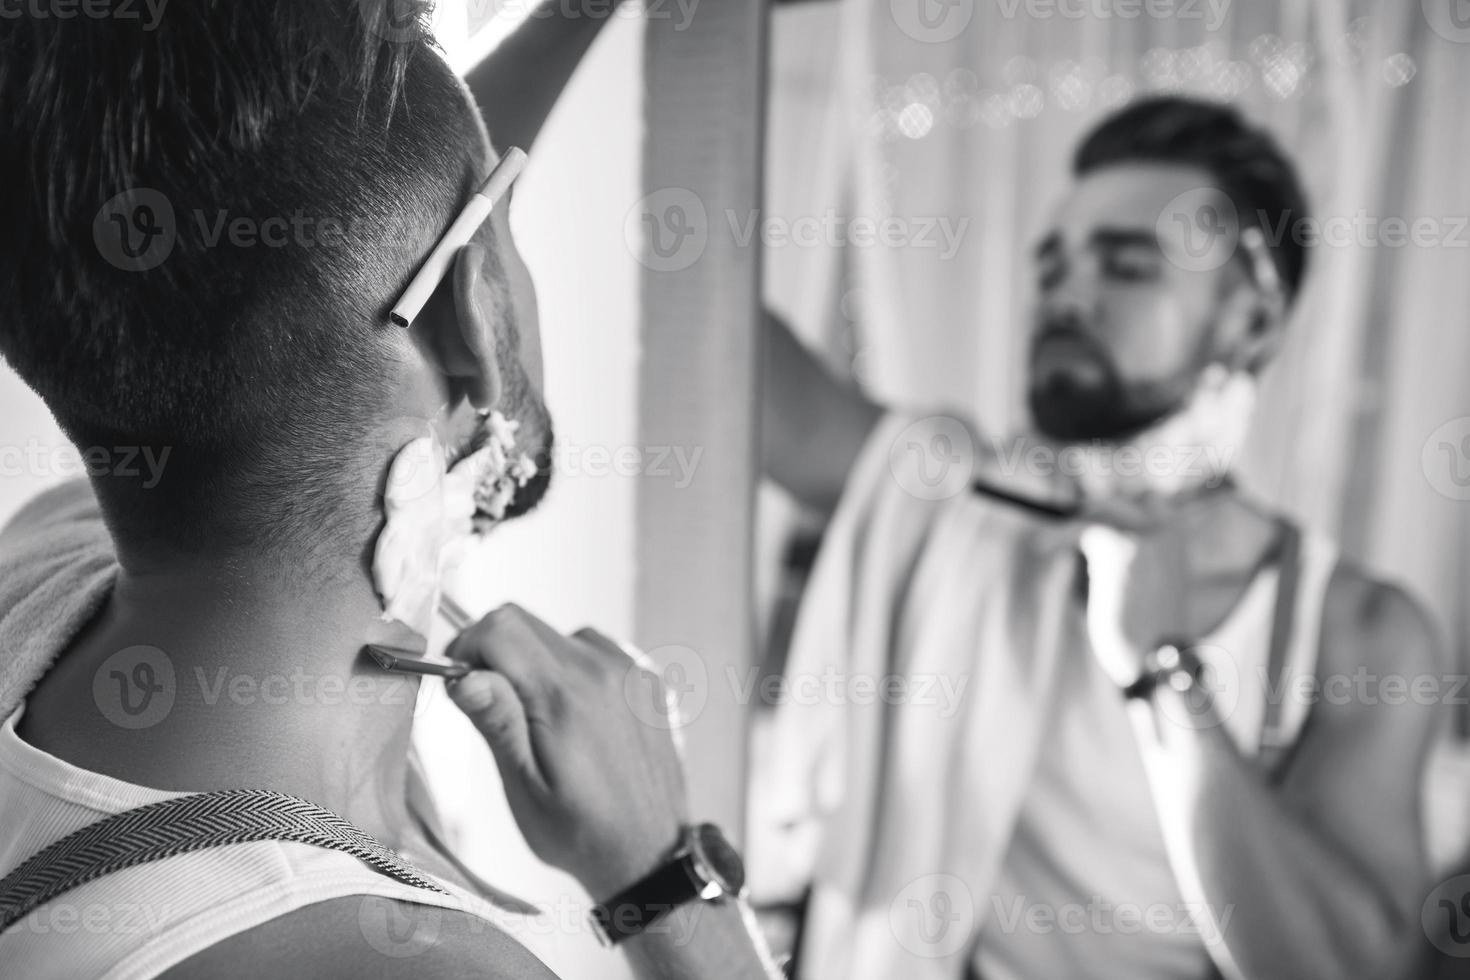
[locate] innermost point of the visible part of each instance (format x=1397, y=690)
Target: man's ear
x=477, y=313
x=1253, y=323
x=460, y=336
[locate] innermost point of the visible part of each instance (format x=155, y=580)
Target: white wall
x=33, y=452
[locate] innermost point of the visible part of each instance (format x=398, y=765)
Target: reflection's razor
x=1042, y=508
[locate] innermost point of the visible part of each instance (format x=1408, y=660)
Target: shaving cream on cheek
x=410, y=548
x=1194, y=447
x=430, y=513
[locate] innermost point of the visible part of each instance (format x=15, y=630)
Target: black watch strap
x=646, y=901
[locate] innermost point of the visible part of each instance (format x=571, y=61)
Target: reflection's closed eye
x=1131, y=265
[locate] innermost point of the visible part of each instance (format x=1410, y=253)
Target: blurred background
x=965, y=112
x=970, y=109
x=951, y=111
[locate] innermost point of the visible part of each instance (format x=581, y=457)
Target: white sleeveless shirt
x=56, y=568
x=1086, y=887
x=138, y=922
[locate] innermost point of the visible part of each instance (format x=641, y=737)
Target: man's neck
x=269, y=690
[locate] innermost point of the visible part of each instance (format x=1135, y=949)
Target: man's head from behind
x=1166, y=256
x=207, y=223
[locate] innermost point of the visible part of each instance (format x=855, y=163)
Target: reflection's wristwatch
x=704, y=868
x=1172, y=663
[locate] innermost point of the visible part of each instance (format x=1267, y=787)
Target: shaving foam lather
x=425, y=531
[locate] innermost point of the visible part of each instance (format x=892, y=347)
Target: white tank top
x=138, y=922
x=1086, y=887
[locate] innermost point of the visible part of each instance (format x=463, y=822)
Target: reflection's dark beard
x=528, y=496
x=1111, y=410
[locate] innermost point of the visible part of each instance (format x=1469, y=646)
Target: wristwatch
x=1172, y=663
x=704, y=867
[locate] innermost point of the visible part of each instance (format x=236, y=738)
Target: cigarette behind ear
x=473, y=215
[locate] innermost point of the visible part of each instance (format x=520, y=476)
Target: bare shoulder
x=1376, y=627
x=365, y=937
x=1380, y=698
x=1385, y=687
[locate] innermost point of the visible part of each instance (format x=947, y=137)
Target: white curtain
x=1362, y=425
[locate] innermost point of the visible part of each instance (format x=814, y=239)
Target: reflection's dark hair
x=1248, y=164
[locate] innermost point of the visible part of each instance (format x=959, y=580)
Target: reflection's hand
x=1136, y=594
x=1110, y=554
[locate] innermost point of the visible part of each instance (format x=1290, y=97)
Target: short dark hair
x=350, y=133
x=238, y=108
x=1248, y=164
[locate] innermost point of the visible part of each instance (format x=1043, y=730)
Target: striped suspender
x=1283, y=631
x=184, y=824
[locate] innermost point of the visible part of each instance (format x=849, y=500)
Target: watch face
x=716, y=859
